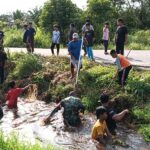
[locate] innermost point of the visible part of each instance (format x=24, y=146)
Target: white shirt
x=56, y=37
x=105, y=34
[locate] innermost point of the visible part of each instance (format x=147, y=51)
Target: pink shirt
x=105, y=33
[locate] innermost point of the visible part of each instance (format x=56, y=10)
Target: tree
x=61, y=12
x=18, y=15
x=34, y=14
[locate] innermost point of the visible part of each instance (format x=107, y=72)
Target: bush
x=12, y=143
x=26, y=66
x=145, y=130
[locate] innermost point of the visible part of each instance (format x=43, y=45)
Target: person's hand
x=126, y=111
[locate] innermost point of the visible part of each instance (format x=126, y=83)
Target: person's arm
x=94, y=133
x=26, y=87
x=108, y=132
x=120, y=116
x=126, y=38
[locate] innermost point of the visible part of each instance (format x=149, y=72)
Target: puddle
x=29, y=128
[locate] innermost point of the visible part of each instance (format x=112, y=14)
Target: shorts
x=75, y=63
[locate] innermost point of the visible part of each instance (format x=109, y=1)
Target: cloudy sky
x=7, y=6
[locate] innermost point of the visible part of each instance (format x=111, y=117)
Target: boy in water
x=12, y=97
x=100, y=130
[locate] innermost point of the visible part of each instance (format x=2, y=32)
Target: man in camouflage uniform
x=72, y=107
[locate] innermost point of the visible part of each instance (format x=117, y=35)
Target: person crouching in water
x=123, y=67
x=72, y=108
x=12, y=97
x=100, y=131
x=74, y=48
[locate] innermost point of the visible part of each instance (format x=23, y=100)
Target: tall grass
x=14, y=38
x=12, y=142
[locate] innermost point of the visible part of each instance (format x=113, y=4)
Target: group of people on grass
x=106, y=115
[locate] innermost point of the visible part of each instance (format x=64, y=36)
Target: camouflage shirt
x=72, y=106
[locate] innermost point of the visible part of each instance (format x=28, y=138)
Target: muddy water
x=28, y=126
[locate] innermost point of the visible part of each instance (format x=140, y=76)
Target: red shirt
x=12, y=97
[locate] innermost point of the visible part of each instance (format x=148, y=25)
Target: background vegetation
x=136, y=14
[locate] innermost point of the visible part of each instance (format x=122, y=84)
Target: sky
x=8, y=6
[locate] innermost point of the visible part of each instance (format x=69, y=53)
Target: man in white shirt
x=55, y=40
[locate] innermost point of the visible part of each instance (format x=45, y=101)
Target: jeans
x=53, y=46
x=120, y=48
x=90, y=52
x=105, y=42
x=123, y=75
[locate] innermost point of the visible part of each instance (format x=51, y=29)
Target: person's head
x=30, y=24
x=25, y=26
x=106, y=24
x=73, y=93
x=72, y=25
x=101, y=113
x=55, y=27
x=104, y=98
x=88, y=20
x=120, y=22
x=113, y=53
x=87, y=26
x=11, y=84
x=75, y=36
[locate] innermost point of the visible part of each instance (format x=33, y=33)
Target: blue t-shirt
x=74, y=48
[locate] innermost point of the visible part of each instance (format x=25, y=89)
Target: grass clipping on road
x=51, y=75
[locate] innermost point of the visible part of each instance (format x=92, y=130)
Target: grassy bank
x=51, y=74
x=13, y=143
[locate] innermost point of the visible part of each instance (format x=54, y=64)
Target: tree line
x=136, y=14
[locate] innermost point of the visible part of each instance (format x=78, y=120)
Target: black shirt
x=3, y=58
x=25, y=36
x=121, y=33
x=111, y=124
x=32, y=32
x=1, y=34
x=89, y=35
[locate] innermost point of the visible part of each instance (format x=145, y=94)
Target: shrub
x=26, y=66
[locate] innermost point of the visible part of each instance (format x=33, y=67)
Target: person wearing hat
x=113, y=116
x=74, y=48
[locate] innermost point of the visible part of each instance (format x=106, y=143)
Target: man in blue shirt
x=32, y=33
x=74, y=48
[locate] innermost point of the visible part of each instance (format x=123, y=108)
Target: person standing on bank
x=26, y=38
x=32, y=33
x=121, y=36
x=106, y=37
x=1, y=39
x=72, y=30
x=55, y=40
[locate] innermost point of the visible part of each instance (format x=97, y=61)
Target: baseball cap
x=75, y=36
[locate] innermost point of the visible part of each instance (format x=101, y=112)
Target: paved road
x=140, y=58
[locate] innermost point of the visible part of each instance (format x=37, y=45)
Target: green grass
x=12, y=142
x=94, y=79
